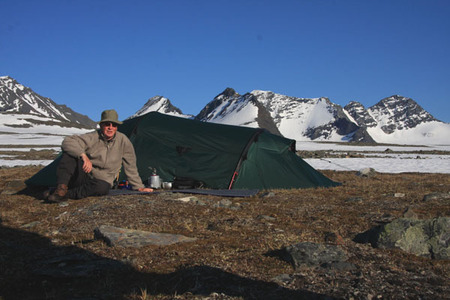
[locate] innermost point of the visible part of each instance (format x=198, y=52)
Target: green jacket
x=107, y=157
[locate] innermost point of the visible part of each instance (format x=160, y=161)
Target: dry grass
x=232, y=256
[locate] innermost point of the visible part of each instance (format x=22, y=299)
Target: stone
x=187, y=199
x=283, y=278
x=268, y=195
x=339, y=266
x=115, y=236
x=366, y=172
x=409, y=213
x=428, y=238
x=266, y=218
x=436, y=196
x=13, y=187
x=225, y=203
x=313, y=255
x=30, y=225
x=354, y=199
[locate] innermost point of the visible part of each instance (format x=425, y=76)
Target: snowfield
x=376, y=157
x=437, y=164
x=25, y=136
x=382, y=158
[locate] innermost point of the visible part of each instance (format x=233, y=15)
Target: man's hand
x=147, y=190
x=87, y=164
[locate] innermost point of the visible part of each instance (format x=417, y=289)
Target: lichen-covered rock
x=428, y=238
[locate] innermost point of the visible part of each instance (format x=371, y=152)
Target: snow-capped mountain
x=395, y=119
x=18, y=99
x=360, y=115
x=231, y=108
x=297, y=118
x=159, y=104
x=27, y=118
x=398, y=113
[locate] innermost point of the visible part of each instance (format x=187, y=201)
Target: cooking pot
x=155, y=182
x=167, y=185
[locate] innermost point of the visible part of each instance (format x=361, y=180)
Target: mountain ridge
x=16, y=98
x=394, y=119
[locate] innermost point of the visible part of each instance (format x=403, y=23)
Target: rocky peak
x=359, y=113
x=398, y=112
x=158, y=104
x=225, y=99
x=229, y=92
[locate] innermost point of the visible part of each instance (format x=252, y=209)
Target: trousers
x=70, y=172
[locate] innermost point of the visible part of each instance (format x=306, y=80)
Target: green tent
x=220, y=156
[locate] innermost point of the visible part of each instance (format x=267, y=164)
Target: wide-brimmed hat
x=110, y=115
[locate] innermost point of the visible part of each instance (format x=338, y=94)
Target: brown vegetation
x=234, y=256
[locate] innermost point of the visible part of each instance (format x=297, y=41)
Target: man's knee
x=102, y=187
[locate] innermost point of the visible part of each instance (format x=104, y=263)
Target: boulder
x=428, y=238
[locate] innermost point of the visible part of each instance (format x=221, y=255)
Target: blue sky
x=99, y=54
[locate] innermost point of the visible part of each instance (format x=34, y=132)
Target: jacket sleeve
x=129, y=165
x=76, y=145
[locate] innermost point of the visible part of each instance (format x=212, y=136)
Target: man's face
x=108, y=129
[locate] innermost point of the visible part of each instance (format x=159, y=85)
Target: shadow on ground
x=31, y=267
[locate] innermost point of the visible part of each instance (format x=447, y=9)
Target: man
x=90, y=162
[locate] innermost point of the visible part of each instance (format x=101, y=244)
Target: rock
x=186, y=199
x=115, y=236
x=428, y=238
x=268, y=195
x=266, y=218
x=197, y=201
x=354, y=199
x=283, y=278
x=313, y=255
x=225, y=203
x=13, y=187
x=436, y=196
x=409, y=213
x=399, y=195
x=366, y=172
x=30, y=225
x=339, y=265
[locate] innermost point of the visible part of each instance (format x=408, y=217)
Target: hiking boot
x=59, y=194
x=47, y=193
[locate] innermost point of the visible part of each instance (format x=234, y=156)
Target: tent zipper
x=244, y=156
